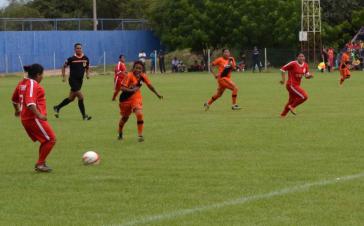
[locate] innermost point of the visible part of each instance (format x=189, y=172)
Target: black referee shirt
x=78, y=66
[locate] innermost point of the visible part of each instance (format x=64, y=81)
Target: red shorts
x=117, y=82
x=39, y=130
x=345, y=72
x=226, y=83
x=127, y=107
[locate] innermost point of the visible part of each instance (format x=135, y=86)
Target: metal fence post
x=265, y=59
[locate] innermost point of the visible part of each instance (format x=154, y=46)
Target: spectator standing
x=142, y=58
x=162, y=65
x=175, y=63
x=152, y=61
x=256, y=59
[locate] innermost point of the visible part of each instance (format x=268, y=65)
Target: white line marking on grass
x=239, y=201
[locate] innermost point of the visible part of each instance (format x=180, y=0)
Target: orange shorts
x=226, y=83
x=345, y=72
x=128, y=107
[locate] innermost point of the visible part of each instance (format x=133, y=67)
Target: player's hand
x=42, y=117
x=87, y=76
x=17, y=113
x=282, y=82
x=309, y=76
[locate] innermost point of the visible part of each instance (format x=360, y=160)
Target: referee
x=79, y=64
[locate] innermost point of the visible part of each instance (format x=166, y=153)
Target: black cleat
x=120, y=137
x=56, y=111
x=87, y=118
x=42, y=168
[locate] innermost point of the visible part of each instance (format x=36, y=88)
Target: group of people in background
x=332, y=59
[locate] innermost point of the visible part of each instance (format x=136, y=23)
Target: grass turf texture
x=190, y=157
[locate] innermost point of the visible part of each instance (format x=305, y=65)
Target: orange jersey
x=344, y=58
x=222, y=63
x=130, y=81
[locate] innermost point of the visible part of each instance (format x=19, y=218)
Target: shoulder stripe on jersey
x=289, y=63
x=31, y=88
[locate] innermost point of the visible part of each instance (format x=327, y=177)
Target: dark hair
x=299, y=53
x=138, y=62
x=77, y=44
x=223, y=50
x=121, y=55
x=33, y=70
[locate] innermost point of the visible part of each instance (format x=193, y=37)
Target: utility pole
x=95, y=15
x=310, y=34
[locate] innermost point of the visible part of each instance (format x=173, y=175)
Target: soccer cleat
x=206, y=106
x=140, y=139
x=236, y=107
x=292, y=109
x=87, y=118
x=120, y=137
x=56, y=111
x=42, y=168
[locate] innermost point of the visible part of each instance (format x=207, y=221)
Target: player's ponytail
x=33, y=70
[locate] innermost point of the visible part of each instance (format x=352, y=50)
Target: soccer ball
x=91, y=158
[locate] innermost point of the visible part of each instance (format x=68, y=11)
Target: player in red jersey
x=30, y=104
x=120, y=72
x=226, y=64
x=131, y=98
x=296, y=70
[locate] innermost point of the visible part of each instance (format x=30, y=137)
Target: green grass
x=191, y=158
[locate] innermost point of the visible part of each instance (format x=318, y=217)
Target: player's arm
x=88, y=69
x=35, y=111
x=212, y=66
x=283, y=80
x=15, y=100
x=154, y=91
x=65, y=65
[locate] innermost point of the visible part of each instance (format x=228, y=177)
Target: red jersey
x=120, y=69
x=129, y=81
x=222, y=63
x=295, y=72
x=29, y=92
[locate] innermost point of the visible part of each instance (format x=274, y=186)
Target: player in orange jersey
x=131, y=98
x=345, y=66
x=225, y=64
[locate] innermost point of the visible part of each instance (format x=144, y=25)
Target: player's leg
x=289, y=102
x=125, y=111
x=217, y=95
x=71, y=97
x=140, y=123
x=41, y=131
x=46, y=146
x=228, y=84
x=117, y=87
x=81, y=106
x=300, y=97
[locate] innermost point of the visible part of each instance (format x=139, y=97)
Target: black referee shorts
x=75, y=84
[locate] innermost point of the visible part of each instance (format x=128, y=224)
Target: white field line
x=239, y=201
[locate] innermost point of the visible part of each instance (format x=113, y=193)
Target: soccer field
x=214, y=168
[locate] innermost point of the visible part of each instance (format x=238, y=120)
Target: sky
x=3, y=3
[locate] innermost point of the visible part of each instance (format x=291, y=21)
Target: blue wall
x=40, y=46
